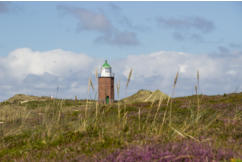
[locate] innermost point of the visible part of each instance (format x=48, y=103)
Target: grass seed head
x=175, y=81
x=118, y=87
x=196, y=89
x=90, y=84
x=96, y=73
x=129, y=77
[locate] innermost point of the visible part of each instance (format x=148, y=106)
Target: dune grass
x=78, y=130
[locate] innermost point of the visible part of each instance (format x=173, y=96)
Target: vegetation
x=79, y=130
x=145, y=96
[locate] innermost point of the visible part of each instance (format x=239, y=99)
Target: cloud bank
x=41, y=73
x=65, y=74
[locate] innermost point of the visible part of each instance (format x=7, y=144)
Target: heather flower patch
x=183, y=151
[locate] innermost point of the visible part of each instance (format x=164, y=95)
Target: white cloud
x=231, y=72
x=24, y=61
x=41, y=73
x=157, y=70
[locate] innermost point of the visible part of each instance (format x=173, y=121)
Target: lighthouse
x=106, y=84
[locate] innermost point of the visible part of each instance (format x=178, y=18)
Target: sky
x=53, y=48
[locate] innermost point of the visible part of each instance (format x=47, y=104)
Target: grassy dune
x=194, y=128
x=145, y=96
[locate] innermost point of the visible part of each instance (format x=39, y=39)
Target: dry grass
x=47, y=123
x=198, y=101
x=145, y=96
x=172, y=95
x=129, y=77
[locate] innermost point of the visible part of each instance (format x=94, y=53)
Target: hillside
x=22, y=98
x=192, y=128
x=145, y=96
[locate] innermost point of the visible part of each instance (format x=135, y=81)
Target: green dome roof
x=106, y=65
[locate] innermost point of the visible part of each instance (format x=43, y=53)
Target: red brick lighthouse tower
x=106, y=84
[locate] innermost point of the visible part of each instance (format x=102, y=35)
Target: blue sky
x=128, y=34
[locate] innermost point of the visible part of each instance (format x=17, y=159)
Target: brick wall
x=105, y=88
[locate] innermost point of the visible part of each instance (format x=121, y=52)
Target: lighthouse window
x=106, y=70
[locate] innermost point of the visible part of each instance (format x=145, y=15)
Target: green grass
x=53, y=130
